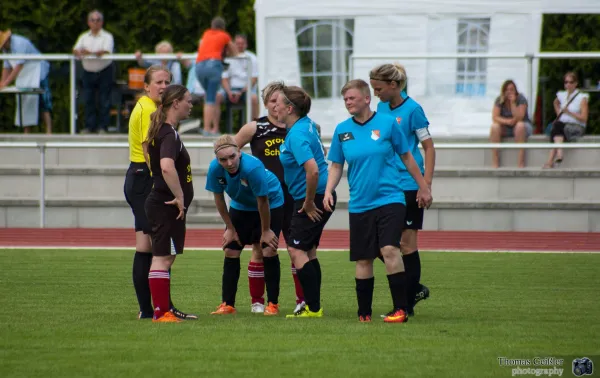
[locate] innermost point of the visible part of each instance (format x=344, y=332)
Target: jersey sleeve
x=300, y=148
x=418, y=120
x=170, y=146
x=257, y=180
x=336, y=153
x=398, y=140
x=212, y=181
x=144, y=122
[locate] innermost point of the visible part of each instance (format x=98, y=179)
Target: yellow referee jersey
x=139, y=123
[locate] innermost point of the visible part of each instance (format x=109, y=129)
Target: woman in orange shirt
x=209, y=67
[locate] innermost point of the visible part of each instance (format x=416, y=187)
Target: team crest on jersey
x=221, y=180
x=398, y=119
x=244, y=182
x=375, y=134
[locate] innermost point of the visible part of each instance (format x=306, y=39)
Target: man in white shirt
x=97, y=73
x=235, y=78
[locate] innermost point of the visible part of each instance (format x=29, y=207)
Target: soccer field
x=72, y=313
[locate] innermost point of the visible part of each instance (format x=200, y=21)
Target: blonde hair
x=153, y=69
x=162, y=44
x=225, y=141
x=390, y=72
x=359, y=84
x=272, y=87
x=159, y=116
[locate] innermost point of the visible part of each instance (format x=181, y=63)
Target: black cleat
x=422, y=294
x=145, y=315
x=183, y=315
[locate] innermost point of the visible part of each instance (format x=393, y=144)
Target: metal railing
x=530, y=58
x=119, y=57
x=42, y=146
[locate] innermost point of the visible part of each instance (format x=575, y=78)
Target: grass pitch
x=72, y=313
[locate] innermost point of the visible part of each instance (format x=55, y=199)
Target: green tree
x=571, y=33
x=54, y=25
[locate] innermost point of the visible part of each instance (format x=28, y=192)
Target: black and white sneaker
x=183, y=315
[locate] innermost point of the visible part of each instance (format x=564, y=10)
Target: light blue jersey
x=251, y=180
x=410, y=117
x=371, y=150
x=301, y=144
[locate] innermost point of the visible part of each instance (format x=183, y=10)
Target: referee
x=138, y=183
x=370, y=143
x=305, y=173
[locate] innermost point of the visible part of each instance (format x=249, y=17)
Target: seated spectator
x=209, y=68
x=510, y=120
x=571, y=107
x=174, y=66
x=34, y=76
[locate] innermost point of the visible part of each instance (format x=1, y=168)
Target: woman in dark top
x=171, y=194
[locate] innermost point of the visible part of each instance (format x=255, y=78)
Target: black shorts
x=167, y=232
x=413, y=219
x=247, y=226
x=374, y=229
x=304, y=233
x=138, y=184
x=288, y=212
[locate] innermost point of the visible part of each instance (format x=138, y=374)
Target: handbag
x=559, y=126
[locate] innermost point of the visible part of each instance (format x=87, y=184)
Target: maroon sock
x=160, y=288
x=297, y=286
x=256, y=281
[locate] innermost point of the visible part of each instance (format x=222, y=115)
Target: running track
x=332, y=239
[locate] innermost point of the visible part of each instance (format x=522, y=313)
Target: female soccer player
x=255, y=217
x=388, y=82
x=265, y=136
x=171, y=194
x=370, y=143
x=138, y=183
x=305, y=174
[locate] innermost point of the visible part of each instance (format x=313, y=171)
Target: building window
x=324, y=48
x=471, y=73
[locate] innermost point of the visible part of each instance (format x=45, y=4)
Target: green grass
x=72, y=314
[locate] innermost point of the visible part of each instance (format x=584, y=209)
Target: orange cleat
x=272, y=309
x=168, y=317
x=396, y=316
x=224, y=309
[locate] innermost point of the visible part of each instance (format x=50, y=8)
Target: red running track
x=332, y=239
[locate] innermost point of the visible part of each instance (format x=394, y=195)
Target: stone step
x=445, y=215
x=472, y=184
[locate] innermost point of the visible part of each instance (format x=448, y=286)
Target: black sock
x=317, y=266
x=412, y=266
x=398, y=285
x=231, y=276
x=141, y=269
x=272, y=278
x=364, y=295
x=308, y=280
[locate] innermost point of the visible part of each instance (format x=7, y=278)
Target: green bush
x=54, y=25
x=571, y=33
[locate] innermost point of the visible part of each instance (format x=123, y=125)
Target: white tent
x=310, y=43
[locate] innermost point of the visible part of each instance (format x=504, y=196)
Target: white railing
x=119, y=57
x=42, y=146
x=528, y=57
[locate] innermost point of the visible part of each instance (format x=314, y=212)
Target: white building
x=309, y=43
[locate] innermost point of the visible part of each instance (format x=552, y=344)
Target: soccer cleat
x=272, y=309
x=306, y=313
x=364, y=319
x=144, y=315
x=182, y=315
x=396, y=316
x=257, y=308
x=299, y=306
x=422, y=294
x=168, y=317
x=224, y=309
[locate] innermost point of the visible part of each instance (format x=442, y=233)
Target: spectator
x=510, y=120
x=97, y=73
x=30, y=74
x=173, y=66
x=209, y=68
x=235, y=78
x=193, y=85
x=571, y=107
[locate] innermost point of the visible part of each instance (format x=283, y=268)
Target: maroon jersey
x=167, y=144
x=265, y=145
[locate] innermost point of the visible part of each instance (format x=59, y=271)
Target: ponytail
x=157, y=118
